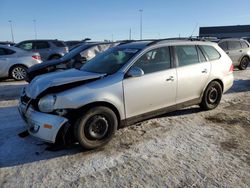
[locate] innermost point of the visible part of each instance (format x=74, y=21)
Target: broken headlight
x=46, y=104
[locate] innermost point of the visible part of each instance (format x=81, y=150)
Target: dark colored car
x=74, y=59
x=48, y=49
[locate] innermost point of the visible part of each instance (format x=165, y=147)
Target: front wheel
x=96, y=127
x=244, y=63
x=18, y=72
x=212, y=96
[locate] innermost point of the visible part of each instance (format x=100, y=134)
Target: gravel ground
x=186, y=148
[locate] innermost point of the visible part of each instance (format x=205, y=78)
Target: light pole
x=141, y=10
x=34, y=22
x=11, y=30
x=130, y=34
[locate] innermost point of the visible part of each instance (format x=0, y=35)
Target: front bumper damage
x=41, y=125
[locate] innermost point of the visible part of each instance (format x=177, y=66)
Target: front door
x=156, y=89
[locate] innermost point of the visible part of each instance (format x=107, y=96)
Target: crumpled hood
x=45, y=81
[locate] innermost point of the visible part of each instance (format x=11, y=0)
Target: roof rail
x=177, y=38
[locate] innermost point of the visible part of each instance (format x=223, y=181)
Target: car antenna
x=193, y=30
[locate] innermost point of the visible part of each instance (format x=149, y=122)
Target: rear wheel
x=212, y=96
x=18, y=72
x=96, y=127
x=244, y=63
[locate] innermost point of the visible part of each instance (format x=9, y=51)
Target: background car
x=14, y=62
x=74, y=43
x=74, y=59
x=238, y=50
x=48, y=49
x=8, y=43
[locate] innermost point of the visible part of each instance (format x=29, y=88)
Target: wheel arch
x=19, y=64
x=99, y=103
x=217, y=80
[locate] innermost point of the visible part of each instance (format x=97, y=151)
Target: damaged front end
x=36, y=105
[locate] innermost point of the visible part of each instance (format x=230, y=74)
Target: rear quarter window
x=244, y=44
x=211, y=52
x=59, y=43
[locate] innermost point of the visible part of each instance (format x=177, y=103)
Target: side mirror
x=135, y=72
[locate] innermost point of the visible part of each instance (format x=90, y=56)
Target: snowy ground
x=187, y=148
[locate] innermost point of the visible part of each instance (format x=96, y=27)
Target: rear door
x=235, y=51
x=192, y=72
x=154, y=90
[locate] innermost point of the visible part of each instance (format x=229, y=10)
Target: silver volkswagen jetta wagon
x=126, y=84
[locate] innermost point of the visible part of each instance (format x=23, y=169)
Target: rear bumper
x=41, y=125
x=228, y=82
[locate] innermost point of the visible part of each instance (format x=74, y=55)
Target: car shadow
x=10, y=91
x=240, y=86
x=15, y=150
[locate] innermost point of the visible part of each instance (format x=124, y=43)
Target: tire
x=96, y=127
x=18, y=72
x=212, y=96
x=244, y=63
x=54, y=57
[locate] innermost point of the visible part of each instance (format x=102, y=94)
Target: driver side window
x=154, y=60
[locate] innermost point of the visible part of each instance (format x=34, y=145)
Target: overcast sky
x=102, y=19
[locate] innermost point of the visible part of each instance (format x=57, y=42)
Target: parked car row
x=127, y=83
x=14, y=62
x=52, y=53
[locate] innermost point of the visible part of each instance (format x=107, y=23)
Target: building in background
x=237, y=31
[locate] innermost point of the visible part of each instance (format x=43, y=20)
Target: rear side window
x=41, y=45
x=4, y=51
x=187, y=55
x=223, y=45
x=244, y=44
x=26, y=46
x=211, y=52
x=234, y=45
x=59, y=43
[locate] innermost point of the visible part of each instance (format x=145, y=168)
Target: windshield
x=110, y=61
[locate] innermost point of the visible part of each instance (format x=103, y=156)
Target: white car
x=14, y=62
x=125, y=84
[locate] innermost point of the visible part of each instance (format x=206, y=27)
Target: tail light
x=36, y=57
x=231, y=68
x=66, y=49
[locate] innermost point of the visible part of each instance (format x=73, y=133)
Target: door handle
x=170, y=78
x=240, y=51
x=227, y=52
x=204, y=71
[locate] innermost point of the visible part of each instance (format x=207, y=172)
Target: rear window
x=59, y=43
x=211, y=52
